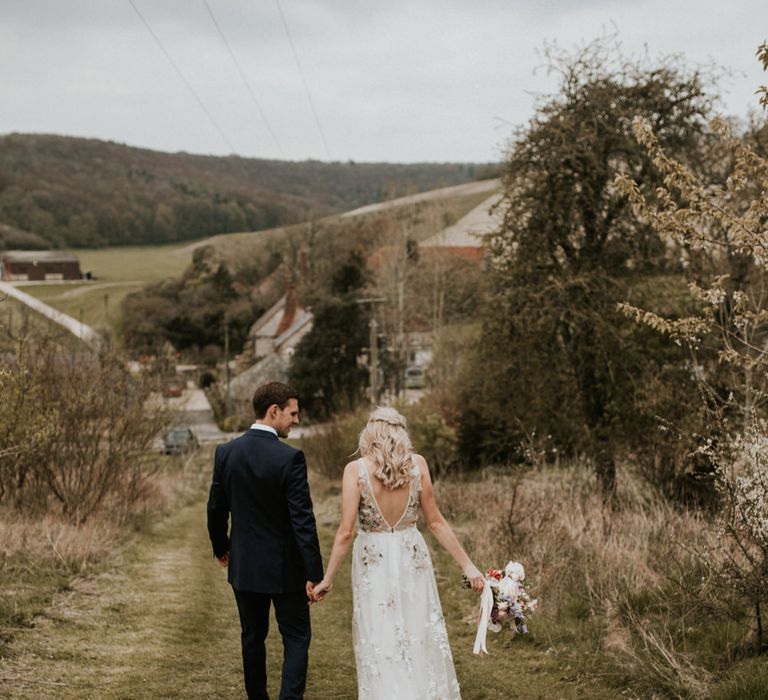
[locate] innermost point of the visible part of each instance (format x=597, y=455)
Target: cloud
x=396, y=80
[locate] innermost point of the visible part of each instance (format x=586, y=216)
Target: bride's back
x=392, y=502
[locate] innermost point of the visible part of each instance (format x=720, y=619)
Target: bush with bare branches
x=75, y=428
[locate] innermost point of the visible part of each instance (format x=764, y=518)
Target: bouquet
x=504, y=599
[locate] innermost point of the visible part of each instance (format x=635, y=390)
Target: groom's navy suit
x=273, y=549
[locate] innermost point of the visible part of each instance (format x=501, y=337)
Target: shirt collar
x=261, y=426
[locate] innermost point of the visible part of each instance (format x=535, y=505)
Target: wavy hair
x=385, y=440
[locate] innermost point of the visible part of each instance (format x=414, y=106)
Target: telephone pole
x=373, y=327
x=374, y=368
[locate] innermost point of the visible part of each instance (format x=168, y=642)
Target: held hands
x=474, y=577
x=317, y=591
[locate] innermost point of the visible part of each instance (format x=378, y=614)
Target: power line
x=183, y=78
x=243, y=78
x=303, y=79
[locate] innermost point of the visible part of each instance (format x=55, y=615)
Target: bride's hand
x=321, y=590
x=475, y=577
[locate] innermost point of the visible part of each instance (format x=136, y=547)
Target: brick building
x=39, y=265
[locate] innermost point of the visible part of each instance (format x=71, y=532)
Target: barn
x=39, y=265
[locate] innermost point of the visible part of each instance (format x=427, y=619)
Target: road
x=85, y=333
x=193, y=409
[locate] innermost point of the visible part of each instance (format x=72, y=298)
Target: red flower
x=495, y=573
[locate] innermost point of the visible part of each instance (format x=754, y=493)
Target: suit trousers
x=292, y=614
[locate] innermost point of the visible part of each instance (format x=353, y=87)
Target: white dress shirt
x=261, y=426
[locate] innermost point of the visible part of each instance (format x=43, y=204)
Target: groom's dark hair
x=272, y=393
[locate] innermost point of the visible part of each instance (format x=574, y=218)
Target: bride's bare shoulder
x=352, y=467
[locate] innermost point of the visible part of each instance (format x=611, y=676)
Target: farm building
x=281, y=328
x=273, y=339
x=38, y=265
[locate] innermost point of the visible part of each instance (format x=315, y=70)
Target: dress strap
x=416, y=473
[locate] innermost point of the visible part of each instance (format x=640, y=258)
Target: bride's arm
x=442, y=531
x=350, y=497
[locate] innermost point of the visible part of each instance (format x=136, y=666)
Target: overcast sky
x=390, y=80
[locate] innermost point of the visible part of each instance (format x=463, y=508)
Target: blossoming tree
x=726, y=225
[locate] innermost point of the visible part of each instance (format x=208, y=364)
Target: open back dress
x=400, y=641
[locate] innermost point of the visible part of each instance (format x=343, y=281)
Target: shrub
x=432, y=437
x=330, y=446
x=76, y=428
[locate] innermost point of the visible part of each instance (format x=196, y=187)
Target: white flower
x=502, y=606
x=508, y=587
x=515, y=571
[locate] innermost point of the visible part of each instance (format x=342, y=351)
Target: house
x=273, y=339
x=280, y=328
x=39, y=265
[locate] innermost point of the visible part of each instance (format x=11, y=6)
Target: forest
x=58, y=191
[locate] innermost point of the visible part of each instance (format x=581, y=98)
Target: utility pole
x=373, y=341
x=374, y=368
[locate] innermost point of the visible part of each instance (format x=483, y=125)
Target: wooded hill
x=84, y=192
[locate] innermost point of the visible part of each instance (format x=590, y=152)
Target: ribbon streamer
x=486, y=605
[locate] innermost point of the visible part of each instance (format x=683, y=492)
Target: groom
x=272, y=551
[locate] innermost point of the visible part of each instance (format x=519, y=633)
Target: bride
x=401, y=645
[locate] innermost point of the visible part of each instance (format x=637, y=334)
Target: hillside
x=88, y=193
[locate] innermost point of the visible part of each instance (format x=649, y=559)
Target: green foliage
x=330, y=446
x=79, y=192
x=325, y=368
x=747, y=681
x=432, y=437
x=14, y=238
x=191, y=312
x=556, y=357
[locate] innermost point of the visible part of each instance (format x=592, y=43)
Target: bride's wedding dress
x=400, y=641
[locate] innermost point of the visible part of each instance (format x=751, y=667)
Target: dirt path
x=164, y=625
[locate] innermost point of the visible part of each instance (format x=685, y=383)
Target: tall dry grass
x=621, y=589
x=41, y=556
x=42, y=553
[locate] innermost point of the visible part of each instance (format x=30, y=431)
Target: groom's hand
x=223, y=560
x=320, y=590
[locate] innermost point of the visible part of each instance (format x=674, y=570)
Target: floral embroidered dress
x=401, y=645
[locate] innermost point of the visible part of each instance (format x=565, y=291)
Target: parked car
x=179, y=440
x=173, y=388
x=415, y=378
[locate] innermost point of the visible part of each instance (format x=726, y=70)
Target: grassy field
x=118, y=272
x=134, y=263
x=157, y=620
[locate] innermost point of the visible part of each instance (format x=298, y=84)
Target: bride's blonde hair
x=385, y=440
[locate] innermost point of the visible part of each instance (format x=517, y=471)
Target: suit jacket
x=272, y=544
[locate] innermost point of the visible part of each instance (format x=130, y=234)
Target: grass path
x=163, y=624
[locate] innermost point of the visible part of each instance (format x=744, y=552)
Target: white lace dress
x=401, y=645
